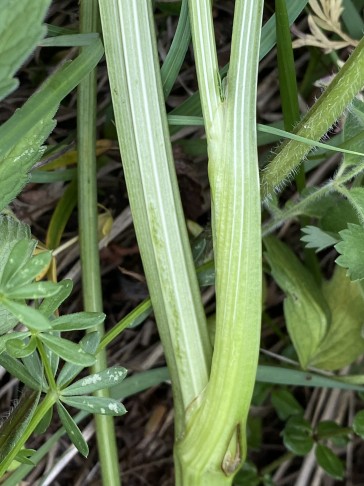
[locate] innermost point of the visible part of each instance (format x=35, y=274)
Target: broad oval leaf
x=329, y=462
x=297, y=436
x=72, y=430
x=67, y=350
x=358, y=424
x=99, y=405
x=97, y=381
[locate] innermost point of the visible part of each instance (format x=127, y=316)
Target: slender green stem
x=318, y=120
x=88, y=219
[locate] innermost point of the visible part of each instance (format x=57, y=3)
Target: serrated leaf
x=19, y=348
x=51, y=304
x=97, y=381
x=297, y=436
x=329, y=462
x=285, y=404
x=32, y=318
x=337, y=216
x=317, y=239
x=358, y=424
x=18, y=370
x=78, y=321
x=99, y=405
x=352, y=251
x=67, y=350
x=37, y=290
x=305, y=309
x=89, y=344
x=21, y=28
x=344, y=341
x=72, y=430
x=30, y=270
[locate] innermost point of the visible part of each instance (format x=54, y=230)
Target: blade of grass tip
x=177, y=51
x=87, y=208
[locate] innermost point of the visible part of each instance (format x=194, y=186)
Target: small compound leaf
x=329, y=462
x=72, y=430
x=297, y=436
x=358, y=424
x=97, y=381
x=67, y=350
x=285, y=404
x=20, y=348
x=51, y=304
x=305, y=309
x=30, y=270
x=317, y=239
x=89, y=344
x=99, y=405
x=32, y=318
x=78, y=321
x=344, y=341
x=18, y=370
x=352, y=251
x=37, y=290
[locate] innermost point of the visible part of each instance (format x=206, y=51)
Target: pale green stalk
x=141, y=121
x=88, y=230
x=214, y=445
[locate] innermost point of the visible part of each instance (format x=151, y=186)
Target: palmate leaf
x=20, y=30
x=30, y=317
x=18, y=370
x=78, y=321
x=351, y=251
x=72, y=430
x=67, y=350
x=51, y=304
x=29, y=271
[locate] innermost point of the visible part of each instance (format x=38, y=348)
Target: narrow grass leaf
x=61, y=215
x=78, y=321
x=24, y=456
x=72, y=430
x=99, y=405
x=69, y=40
x=28, y=316
x=67, y=350
x=97, y=381
x=21, y=28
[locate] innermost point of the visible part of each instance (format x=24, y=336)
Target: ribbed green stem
x=214, y=445
x=88, y=230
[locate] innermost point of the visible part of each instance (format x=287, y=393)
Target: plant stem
x=318, y=120
x=141, y=121
x=214, y=446
x=88, y=230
